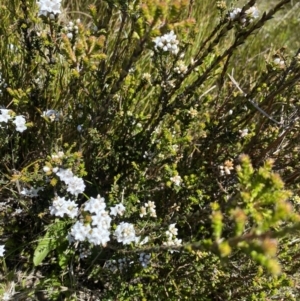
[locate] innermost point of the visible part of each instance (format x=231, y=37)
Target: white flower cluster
x=17, y=211
x=171, y=235
x=167, y=42
x=234, y=14
x=118, y=209
x=98, y=231
x=71, y=29
x=279, y=62
x=125, y=233
x=79, y=232
x=75, y=185
x=57, y=156
x=147, y=77
x=144, y=259
x=243, y=132
x=180, y=68
x=176, y=180
x=5, y=115
x=250, y=14
x=19, y=121
x=166, y=85
x=226, y=168
x=100, y=222
x=49, y=7
x=2, y=250
x=61, y=207
x=151, y=209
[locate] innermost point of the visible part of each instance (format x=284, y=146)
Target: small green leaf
x=53, y=238
x=42, y=250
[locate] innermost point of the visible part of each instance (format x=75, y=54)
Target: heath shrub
x=149, y=150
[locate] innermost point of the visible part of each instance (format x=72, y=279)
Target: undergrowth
x=149, y=150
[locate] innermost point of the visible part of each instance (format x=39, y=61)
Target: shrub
x=149, y=151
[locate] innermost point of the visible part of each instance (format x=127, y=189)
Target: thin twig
x=252, y=101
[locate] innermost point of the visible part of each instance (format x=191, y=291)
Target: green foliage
x=199, y=143
x=52, y=240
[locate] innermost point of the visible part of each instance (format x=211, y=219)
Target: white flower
x=76, y=186
x=80, y=231
x=118, y=209
x=95, y=205
x=61, y=207
x=18, y=211
x=176, y=180
x=60, y=154
x=151, y=206
x=172, y=240
x=252, y=12
x=65, y=175
x=98, y=236
x=279, y=62
x=177, y=242
x=49, y=6
x=147, y=77
x=2, y=250
x=101, y=220
x=181, y=68
x=172, y=231
x=143, y=211
x=5, y=116
x=57, y=156
x=20, y=123
x=46, y=168
x=167, y=42
x=233, y=15
x=243, y=132
x=125, y=233
x=151, y=209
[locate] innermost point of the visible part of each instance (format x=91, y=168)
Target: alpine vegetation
x=149, y=150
